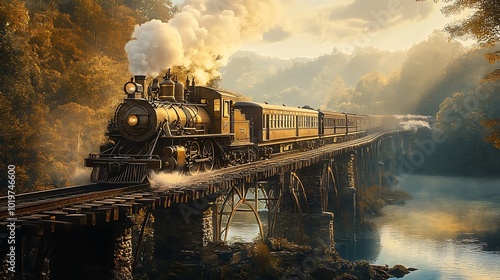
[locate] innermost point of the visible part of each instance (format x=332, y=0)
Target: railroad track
x=39, y=201
x=240, y=170
x=192, y=187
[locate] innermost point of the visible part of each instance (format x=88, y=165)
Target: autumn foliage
x=63, y=67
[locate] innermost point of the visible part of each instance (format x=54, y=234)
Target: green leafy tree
x=63, y=68
x=370, y=92
x=482, y=25
x=459, y=121
x=95, y=82
x=338, y=95
x=425, y=66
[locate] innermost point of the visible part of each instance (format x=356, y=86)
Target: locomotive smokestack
x=139, y=79
x=193, y=92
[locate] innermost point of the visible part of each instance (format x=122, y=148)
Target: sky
x=310, y=28
x=204, y=34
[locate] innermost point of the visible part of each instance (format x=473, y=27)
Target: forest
x=438, y=78
x=63, y=70
x=64, y=64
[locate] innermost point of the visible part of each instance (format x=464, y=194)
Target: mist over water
x=450, y=230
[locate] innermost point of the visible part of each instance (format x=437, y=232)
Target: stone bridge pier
x=66, y=251
x=178, y=233
x=156, y=242
x=104, y=250
x=319, y=202
x=301, y=217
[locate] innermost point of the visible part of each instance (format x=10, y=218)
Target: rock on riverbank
x=280, y=259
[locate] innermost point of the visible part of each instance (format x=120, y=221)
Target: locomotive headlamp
x=132, y=120
x=130, y=88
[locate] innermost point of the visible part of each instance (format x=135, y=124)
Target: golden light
x=130, y=88
x=132, y=120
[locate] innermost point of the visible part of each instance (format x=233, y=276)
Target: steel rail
x=39, y=201
x=43, y=194
x=217, y=174
x=36, y=206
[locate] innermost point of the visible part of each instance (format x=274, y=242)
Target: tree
x=153, y=9
x=494, y=136
x=336, y=96
x=95, y=82
x=370, y=92
x=63, y=66
x=483, y=26
x=21, y=104
x=73, y=132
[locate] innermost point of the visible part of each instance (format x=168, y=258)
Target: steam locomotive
x=169, y=127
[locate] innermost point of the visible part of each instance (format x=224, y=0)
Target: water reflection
x=364, y=249
x=243, y=228
x=450, y=230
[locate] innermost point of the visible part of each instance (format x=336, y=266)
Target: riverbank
x=279, y=259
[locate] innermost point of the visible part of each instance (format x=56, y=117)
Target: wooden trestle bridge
x=299, y=192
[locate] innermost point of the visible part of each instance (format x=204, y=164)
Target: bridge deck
x=112, y=206
x=210, y=182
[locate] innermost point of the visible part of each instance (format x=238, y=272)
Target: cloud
x=347, y=20
x=276, y=34
x=205, y=33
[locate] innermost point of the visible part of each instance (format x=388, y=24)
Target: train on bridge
x=167, y=126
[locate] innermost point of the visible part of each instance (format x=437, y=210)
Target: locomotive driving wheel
x=209, y=155
x=194, y=153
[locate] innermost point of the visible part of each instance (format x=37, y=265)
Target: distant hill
x=302, y=81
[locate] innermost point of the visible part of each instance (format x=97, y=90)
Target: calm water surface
x=450, y=230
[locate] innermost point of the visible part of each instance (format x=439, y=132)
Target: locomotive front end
x=151, y=130
x=135, y=123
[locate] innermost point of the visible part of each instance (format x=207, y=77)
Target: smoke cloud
x=413, y=122
x=201, y=36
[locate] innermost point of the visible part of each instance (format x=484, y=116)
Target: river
x=449, y=230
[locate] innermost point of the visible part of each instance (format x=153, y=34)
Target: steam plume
x=201, y=36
